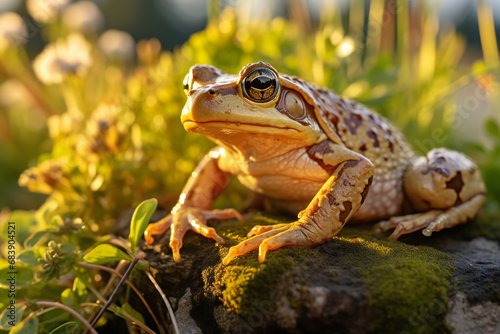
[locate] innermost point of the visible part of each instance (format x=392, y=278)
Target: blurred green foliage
x=119, y=140
x=107, y=134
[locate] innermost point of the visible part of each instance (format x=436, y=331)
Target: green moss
x=407, y=285
x=246, y=285
x=487, y=225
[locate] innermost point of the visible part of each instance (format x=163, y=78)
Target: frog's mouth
x=191, y=125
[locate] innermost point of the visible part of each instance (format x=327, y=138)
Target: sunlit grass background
x=92, y=116
x=96, y=114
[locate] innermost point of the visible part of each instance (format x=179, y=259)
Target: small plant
x=84, y=300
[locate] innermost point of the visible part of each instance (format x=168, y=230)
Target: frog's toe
x=179, y=229
x=176, y=245
x=198, y=225
x=407, y=224
x=413, y=224
x=263, y=229
x=433, y=220
x=293, y=236
x=223, y=214
x=250, y=244
x=269, y=239
x=158, y=228
x=391, y=223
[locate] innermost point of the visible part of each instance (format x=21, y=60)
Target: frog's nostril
x=213, y=92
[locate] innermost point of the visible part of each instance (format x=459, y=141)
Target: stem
x=47, y=310
x=443, y=93
x=94, y=291
x=70, y=101
x=165, y=300
x=139, y=323
x=487, y=33
x=375, y=19
x=299, y=15
x=117, y=273
x=32, y=89
x=122, y=280
x=69, y=310
x=132, y=319
x=112, y=279
x=132, y=286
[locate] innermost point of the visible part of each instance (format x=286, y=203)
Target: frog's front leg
x=445, y=187
x=193, y=208
x=335, y=203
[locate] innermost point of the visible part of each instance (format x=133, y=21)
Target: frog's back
x=363, y=130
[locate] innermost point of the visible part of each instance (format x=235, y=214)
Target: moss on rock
x=245, y=284
x=406, y=285
x=486, y=225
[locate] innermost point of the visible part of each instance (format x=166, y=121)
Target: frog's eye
x=260, y=85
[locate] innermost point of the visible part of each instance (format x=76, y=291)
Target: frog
x=305, y=150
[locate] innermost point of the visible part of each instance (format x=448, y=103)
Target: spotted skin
x=308, y=151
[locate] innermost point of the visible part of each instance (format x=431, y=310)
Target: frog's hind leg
x=432, y=221
x=445, y=187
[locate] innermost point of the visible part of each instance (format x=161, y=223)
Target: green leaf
x=12, y=314
x=67, y=328
x=68, y=297
x=127, y=308
x=75, y=295
x=27, y=326
x=19, y=276
x=79, y=288
x=34, y=238
x=492, y=128
x=105, y=253
x=140, y=220
x=22, y=223
x=31, y=256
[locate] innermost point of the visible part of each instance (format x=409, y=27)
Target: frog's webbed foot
x=406, y=224
x=268, y=238
x=186, y=219
x=445, y=187
x=433, y=220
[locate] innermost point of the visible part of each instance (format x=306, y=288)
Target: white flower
x=45, y=11
x=117, y=44
x=13, y=31
x=13, y=93
x=71, y=56
x=83, y=16
x=346, y=47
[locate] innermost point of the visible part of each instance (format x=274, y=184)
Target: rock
x=474, y=304
x=465, y=318
x=187, y=324
x=355, y=283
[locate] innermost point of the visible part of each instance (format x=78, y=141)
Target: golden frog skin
x=308, y=151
